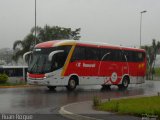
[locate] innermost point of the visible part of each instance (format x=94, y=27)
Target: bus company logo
x=86, y=65
x=89, y=65
x=78, y=64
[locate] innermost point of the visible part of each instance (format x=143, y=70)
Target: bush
x=3, y=78
x=96, y=101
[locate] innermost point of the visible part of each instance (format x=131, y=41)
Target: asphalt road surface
x=44, y=103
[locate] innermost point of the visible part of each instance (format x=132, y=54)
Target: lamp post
x=35, y=21
x=141, y=24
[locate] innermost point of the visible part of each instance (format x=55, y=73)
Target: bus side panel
x=113, y=70
x=83, y=68
x=94, y=72
x=87, y=71
x=137, y=72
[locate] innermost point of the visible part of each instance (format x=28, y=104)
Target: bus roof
x=82, y=43
x=55, y=43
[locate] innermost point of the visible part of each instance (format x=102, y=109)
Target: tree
x=55, y=33
x=22, y=46
x=152, y=52
x=43, y=34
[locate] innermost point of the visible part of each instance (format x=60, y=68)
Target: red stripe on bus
x=47, y=44
x=36, y=75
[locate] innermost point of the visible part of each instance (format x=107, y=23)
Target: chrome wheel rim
x=125, y=83
x=72, y=83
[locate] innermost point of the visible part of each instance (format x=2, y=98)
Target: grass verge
x=11, y=84
x=133, y=106
x=157, y=71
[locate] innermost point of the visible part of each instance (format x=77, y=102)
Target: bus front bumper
x=38, y=82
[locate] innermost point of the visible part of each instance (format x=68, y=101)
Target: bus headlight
x=44, y=77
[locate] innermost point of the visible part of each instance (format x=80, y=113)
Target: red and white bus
x=70, y=63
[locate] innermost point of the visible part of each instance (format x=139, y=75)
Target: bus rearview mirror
x=53, y=53
x=25, y=54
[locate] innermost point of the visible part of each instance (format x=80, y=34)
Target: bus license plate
x=35, y=82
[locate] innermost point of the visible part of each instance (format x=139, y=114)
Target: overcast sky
x=109, y=21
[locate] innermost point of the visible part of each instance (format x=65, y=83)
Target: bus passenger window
x=79, y=54
x=91, y=53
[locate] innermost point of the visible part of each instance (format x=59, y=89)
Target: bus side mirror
x=53, y=53
x=25, y=54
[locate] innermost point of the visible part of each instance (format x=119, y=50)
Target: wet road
x=39, y=100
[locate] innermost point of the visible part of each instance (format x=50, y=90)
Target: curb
x=75, y=116
x=17, y=86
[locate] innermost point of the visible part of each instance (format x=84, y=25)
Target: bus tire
x=124, y=84
x=51, y=87
x=72, y=84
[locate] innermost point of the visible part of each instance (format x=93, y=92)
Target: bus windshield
x=40, y=64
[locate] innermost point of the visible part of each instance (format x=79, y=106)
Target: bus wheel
x=51, y=87
x=72, y=84
x=124, y=84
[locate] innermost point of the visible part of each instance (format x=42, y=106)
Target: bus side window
x=140, y=56
x=91, y=53
x=78, y=54
x=104, y=54
x=115, y=55
x=133, y=56
x=129, y=55
x=123, y=56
